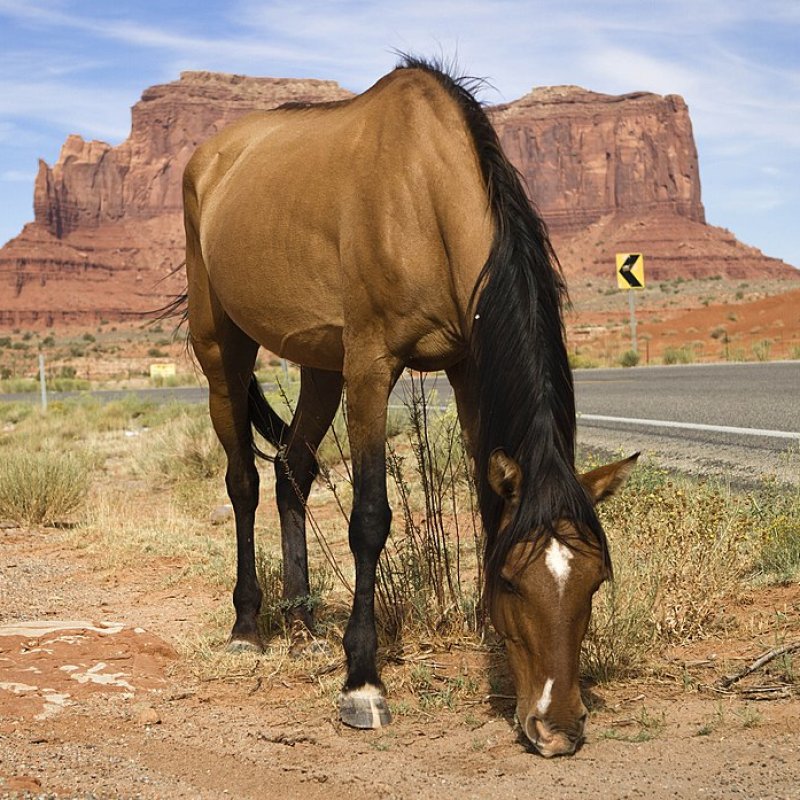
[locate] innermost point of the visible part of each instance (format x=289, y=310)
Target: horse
x=357, y=238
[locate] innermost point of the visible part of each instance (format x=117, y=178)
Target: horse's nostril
x=530, y=729
x=538, y=731
x=551, y=741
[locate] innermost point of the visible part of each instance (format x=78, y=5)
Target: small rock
x=149, y=716
x=221, y=514
x=23, y=783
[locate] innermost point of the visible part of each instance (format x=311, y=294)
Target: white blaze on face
x=544, y=701
x=557, y=558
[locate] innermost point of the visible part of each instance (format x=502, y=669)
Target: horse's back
x=309, y=219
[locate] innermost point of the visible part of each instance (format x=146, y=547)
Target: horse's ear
x=505, y=476
x=604, y=481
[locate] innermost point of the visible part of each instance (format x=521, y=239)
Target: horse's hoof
x=243, y=646
x=364, y=708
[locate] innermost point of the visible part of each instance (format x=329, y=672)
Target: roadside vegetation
x=135, y=484
x=114, y=354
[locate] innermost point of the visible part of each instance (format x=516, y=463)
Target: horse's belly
x=300, y=323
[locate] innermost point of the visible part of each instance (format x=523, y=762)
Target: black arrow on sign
x=625, y=270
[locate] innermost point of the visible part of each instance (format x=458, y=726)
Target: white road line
x=692, y=426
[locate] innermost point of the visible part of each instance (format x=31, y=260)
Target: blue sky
x=77, y=67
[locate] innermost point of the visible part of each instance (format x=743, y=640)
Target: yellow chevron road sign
x=630, y=270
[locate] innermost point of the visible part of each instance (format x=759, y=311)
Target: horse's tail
x=264, y=419
x=175, y=309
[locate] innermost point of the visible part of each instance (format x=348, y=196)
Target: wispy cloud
x=75, y=67
x=72, y=107
x=17, y=176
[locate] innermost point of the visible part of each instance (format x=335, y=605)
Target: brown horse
x=355, y=239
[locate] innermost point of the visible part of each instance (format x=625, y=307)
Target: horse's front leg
x=362, y=703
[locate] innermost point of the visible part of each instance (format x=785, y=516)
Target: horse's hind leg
x=227, y=357
x=295, y=470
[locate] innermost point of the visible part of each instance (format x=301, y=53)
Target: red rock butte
x=608, y=173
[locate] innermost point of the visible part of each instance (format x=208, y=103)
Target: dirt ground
x=99, y=699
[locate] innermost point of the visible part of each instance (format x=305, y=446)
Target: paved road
x=742, y=420
x=645, y=408
x=765, y=396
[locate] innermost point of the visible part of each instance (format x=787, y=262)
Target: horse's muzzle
x=551, y=742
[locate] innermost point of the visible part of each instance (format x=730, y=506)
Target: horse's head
x=541, y=606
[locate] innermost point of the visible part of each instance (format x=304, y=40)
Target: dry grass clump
x=430, y=576
x=42, y=487
x=186, y=450
x=269, y=571
x=777, y=512
x=680, y=551
x=123, y=531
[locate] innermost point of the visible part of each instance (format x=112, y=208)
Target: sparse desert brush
x=630, y=358
x=777, y=512
x=269, y=569
x=18, y=385
x=680, y=550
x=429, y=580
x=42, y=487
x=12, y=414
x=122, y=531
x=186, y=450
x=582, y=361
x=761, y=349
x=78, y=419
x=678, y=355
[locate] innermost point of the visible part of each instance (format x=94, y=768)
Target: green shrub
x=269, y=571
x=41, y=488
x=777, y=514
x=630, y=358
x=581, y=361
x=761, y=350
x=678, y=355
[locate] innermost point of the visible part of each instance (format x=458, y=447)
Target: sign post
x=630, y=275
x=42, y=382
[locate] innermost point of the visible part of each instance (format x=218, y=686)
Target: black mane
x=306, y=105
x=523, y=382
